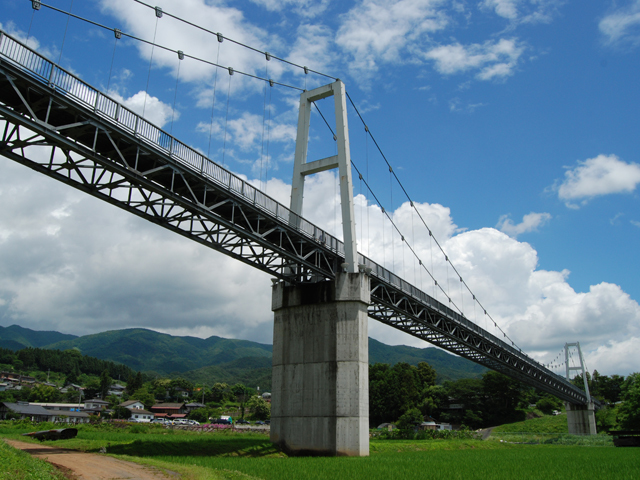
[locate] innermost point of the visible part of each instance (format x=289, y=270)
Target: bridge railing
x=55, y=77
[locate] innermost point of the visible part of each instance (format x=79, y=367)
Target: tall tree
x=380, y=392
x=105, y=383
x=134, y=382
x=407, y=388
x=145, y=396
x=427, y=374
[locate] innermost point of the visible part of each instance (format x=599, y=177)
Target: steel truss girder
x=50, y=132
x=394, y=308
x=126, y=172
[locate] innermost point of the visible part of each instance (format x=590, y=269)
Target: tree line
x=407, y=394
x=395, y=392
x=71, y=363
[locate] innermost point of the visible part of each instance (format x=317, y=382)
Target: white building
x=138, y=413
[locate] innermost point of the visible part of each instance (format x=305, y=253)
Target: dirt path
x=90, y=466
x=486, y=432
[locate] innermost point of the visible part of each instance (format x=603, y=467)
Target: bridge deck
x=62, y=127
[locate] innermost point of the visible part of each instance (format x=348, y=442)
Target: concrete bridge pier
x=581, y=419
x=320, y=389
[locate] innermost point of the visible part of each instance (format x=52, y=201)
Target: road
x=90, y=466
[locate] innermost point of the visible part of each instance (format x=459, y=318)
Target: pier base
x=320, y=388
x=581, y=419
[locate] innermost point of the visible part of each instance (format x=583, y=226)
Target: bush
x=464, y=434
x=139, y=429
x=548, y=404
x=409, y=419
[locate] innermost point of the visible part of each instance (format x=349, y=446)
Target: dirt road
x=90, y=466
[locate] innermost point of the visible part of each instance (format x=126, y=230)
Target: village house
x=138, y=412
x=60, y=407
x=66, y=412
x=116, y=389
x=432, y=424
x=16, y=378
x=34, y=413
x=95, y=406
x=169, y=410
x=189, y=407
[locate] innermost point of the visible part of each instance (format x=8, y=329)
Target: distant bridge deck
x=62, y=127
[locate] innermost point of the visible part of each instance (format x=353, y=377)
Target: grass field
x=232, y=455
x=546, y=424
x=547, y=430
x=17, y=465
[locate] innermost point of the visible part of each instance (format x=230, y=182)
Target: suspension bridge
x=56, y=124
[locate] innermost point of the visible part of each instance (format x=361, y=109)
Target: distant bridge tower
x=581, y=418
x=320, y=389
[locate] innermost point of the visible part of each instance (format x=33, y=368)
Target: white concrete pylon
x=341, y=161
x=580, y=368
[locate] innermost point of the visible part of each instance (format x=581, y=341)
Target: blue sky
x=513, y=124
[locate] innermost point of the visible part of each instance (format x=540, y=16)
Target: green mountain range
x=213, y=359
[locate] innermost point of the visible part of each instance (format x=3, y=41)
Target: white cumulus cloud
x=112, y=268
x=378, y=31
x=530, y=223
x=523, y=11
x=215, y=16
x=152, y=108
x=504, y=8
x=305, y=8
x=491, y=60
x=601, y=175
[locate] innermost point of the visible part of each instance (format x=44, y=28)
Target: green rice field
x=232, y=455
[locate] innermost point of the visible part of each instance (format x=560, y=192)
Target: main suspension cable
x=304, y=68
x=202, y=60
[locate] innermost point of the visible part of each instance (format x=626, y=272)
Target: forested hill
x=16, y=337
x=448, y=367
x=70, y=363
x=148, y=351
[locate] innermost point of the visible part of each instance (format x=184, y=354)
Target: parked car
x=243, y=421
x=193, y=422
x=221, y=421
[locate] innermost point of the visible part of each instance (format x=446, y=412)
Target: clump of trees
x=628, y=415
x=605, y=388
x=394, y=390
x=406, y=393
